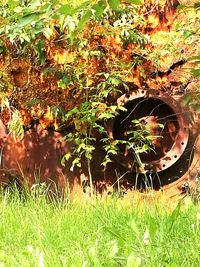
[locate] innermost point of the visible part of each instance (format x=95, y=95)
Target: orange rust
x=28, y=80
x=31, y=82
x=37, y=159
x=158, y=17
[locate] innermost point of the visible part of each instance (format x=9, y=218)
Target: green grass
x=113, y=232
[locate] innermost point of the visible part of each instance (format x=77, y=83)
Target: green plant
x=83, y=232
x=82, y=56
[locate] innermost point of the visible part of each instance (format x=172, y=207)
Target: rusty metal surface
x=190, y=177
x=37, y=158
x=38, y=155
x=153, y=108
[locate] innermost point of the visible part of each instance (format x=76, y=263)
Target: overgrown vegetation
x=113, y=232
x=65, y=64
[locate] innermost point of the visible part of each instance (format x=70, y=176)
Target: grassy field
x=113, y=232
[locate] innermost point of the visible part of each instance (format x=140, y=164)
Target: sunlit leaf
x=66, y=157
x=84, y=20
x=40, y=50
x=152, y=228
x=135, y=2
x=34, y=4
x=99, y=8
x=133, y=260
x=12, y=3
x=114, y=4
x=181, y=6
x=196, y=72
x=15, y=126
x=113, y=249
x=27, y=20
x=66, y=10
x=174, y=216
x=193, y=58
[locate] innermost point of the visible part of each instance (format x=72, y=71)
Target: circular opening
x=150, y=122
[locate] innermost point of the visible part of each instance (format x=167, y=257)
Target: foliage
x=65, y=65
x=115, y=232
x=15, y=126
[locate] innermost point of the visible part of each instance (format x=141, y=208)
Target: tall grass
x=37, y=232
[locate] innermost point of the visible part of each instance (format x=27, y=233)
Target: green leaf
x=134, y=227
x=152, y=228
x=40, y=49
x=142, y=149
x=70, y=113
x=15, y=126
x=187, y=34
x=181, y=6
x=84, y=5
x=66, y=157
x=76, y=162
x=114, y=4
x=193, y=58
x=33, y=102
x=106, y=161
x=34, y=4
x=135, y=121
x=196, y=72
x=27, y=20
x=48, y=32
x=197, y=5
x=114, y=81
x=112, y=152
x=133, y=260
x=113, y=249
x=12, y=4
x=99, y=8
x=84, y=20
x=135, y=2
x=172, y=265
x=196, y=107
x=66, y=10
x=174, y=216
x=3, y=51
x=105, y=115
x=188, y=98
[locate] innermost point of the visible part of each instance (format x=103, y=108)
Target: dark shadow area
x=157, y=180
x=115, y=174
x=157, y=117
x=37, y=159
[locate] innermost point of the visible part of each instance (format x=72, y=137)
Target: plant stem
x=88, y=134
